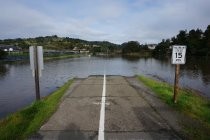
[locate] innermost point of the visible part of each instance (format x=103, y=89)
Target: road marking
x=99, y=103
x=102, y=113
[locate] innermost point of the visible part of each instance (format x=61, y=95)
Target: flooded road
x=17, y=84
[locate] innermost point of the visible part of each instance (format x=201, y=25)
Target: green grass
x=25, y=122
x=188, y=103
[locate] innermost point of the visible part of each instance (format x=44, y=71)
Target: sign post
x=176, y=82
x=178, y=57
x=36, y=62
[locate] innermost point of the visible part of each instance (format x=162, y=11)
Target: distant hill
x=60, y=43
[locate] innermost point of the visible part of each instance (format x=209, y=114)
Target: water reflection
x=3, y=70
x=198, y=67
x=195, y=67
x=132, y=59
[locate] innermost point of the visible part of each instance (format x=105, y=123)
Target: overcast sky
x=117, y=21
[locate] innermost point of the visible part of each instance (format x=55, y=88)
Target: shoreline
x=26, y=121
x=194, y=91
x=26, y=58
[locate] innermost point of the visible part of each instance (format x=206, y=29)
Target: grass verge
x=188, y=103
x=25, y=122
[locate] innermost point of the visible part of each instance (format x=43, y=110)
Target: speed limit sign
x=178, y=54
x=178, y=57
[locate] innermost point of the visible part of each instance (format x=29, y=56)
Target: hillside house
x=10, y=48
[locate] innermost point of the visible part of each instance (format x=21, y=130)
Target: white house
x=151, y=46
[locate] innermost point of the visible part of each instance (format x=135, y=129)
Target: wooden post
x=176, y=82
x=36, y=73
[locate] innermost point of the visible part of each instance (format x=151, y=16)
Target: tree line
x=197, y=42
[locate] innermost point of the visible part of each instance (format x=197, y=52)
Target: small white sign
x=31, y=52
x=40, y=59
x=33, y=60
x=178, y=54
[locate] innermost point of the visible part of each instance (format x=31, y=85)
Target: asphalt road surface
x=122, y=113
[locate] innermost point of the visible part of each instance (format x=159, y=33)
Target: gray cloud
x=165, y=20
x=146, y=21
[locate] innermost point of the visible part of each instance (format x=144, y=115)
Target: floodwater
x=17, y=88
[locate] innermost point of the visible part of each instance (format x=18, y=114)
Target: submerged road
x=110, y=108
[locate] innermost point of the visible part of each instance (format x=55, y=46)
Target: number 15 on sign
x=178, y=54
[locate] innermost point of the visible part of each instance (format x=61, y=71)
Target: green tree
x=162, y=49
x=2, y=54
x=130, y=47
x=207, y=40
x=182, y=38
x=194, y=42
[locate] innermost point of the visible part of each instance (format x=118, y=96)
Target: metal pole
x=36, y=72
x=176, y=82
